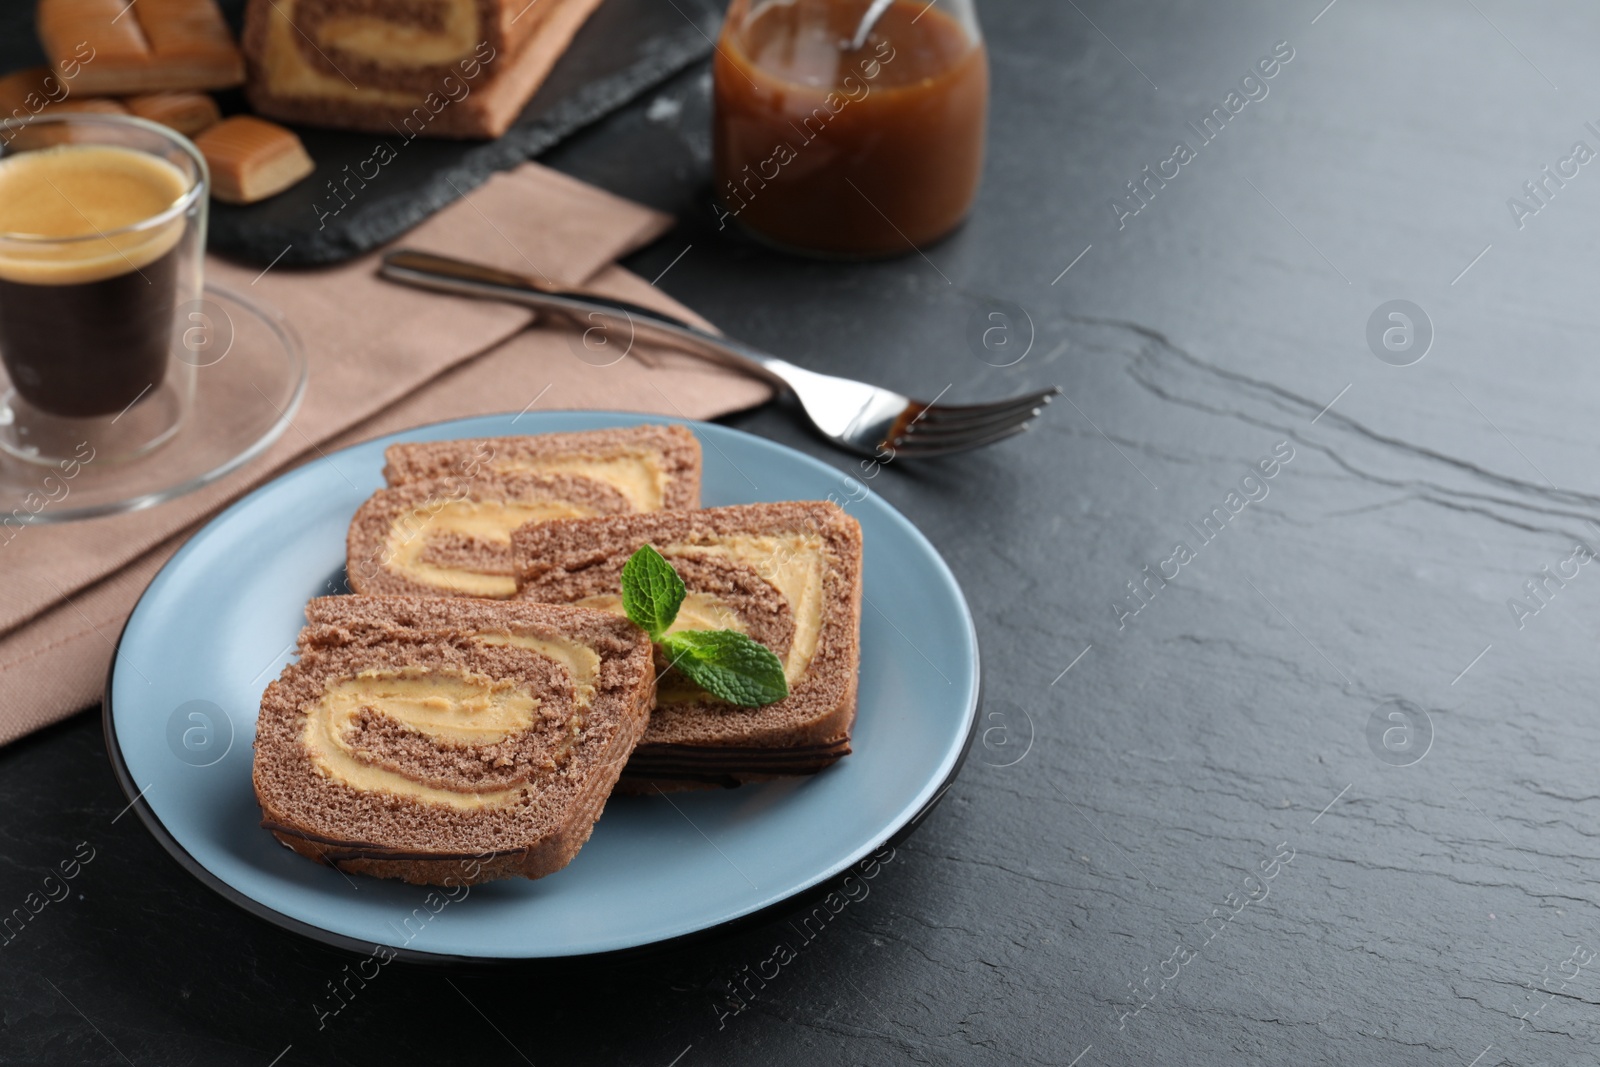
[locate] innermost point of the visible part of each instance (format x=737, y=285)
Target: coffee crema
x=87, y=294
x=61, y=210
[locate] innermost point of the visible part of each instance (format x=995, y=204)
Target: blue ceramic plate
x=219, y=622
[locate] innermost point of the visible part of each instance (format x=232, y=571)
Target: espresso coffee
x=87, y=294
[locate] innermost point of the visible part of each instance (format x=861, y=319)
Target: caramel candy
x=39, y=91
x=113, y=47
x=90, y=105
x=29, y=91
x=251, y=159
x=188, y=113
x=34, y=91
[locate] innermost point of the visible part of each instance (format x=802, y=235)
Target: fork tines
x=935, y=429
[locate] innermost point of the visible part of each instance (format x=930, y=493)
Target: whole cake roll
x=787, y=574
x=407, y=68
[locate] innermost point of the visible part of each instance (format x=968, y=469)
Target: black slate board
x=625, y=48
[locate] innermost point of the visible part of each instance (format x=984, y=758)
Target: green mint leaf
x=729, y=665
x=651, y=591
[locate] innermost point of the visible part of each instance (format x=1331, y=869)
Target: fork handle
x=445, y=275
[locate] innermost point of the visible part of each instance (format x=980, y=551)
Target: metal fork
x=858, y=417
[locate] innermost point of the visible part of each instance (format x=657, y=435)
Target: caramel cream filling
x=793, y=564
x=380, y=40
x=489, y=521
x=699, y=611
x=288, y=74
x=638, y=476
x=582, y=663
x=451, y=706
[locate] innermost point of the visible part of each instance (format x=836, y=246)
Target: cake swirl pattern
x=788, y=575
x=413, y=732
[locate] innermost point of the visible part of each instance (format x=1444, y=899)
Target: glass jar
x=856, y=146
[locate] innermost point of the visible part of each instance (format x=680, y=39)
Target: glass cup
x=102, y=242
x=830, y=141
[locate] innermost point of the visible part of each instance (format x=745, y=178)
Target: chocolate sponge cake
x=787, y=574
x=443, y=528
x=655, y=467
x=449, y=741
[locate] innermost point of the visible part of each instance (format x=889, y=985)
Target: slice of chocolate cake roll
x=443, y=528
x=449, y=741
x=786, y=574
x=444, y=537
x=655, y=467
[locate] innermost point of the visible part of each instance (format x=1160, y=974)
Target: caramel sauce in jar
x=850, y=152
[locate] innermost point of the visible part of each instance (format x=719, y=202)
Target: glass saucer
x=249, y=377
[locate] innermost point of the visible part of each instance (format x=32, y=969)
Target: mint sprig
x=728, y=664
x=725, y=663
x=652, y=592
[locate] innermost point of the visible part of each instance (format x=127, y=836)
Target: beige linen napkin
x=382, y=357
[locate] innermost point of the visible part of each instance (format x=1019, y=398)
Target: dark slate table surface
x=1324, y=796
